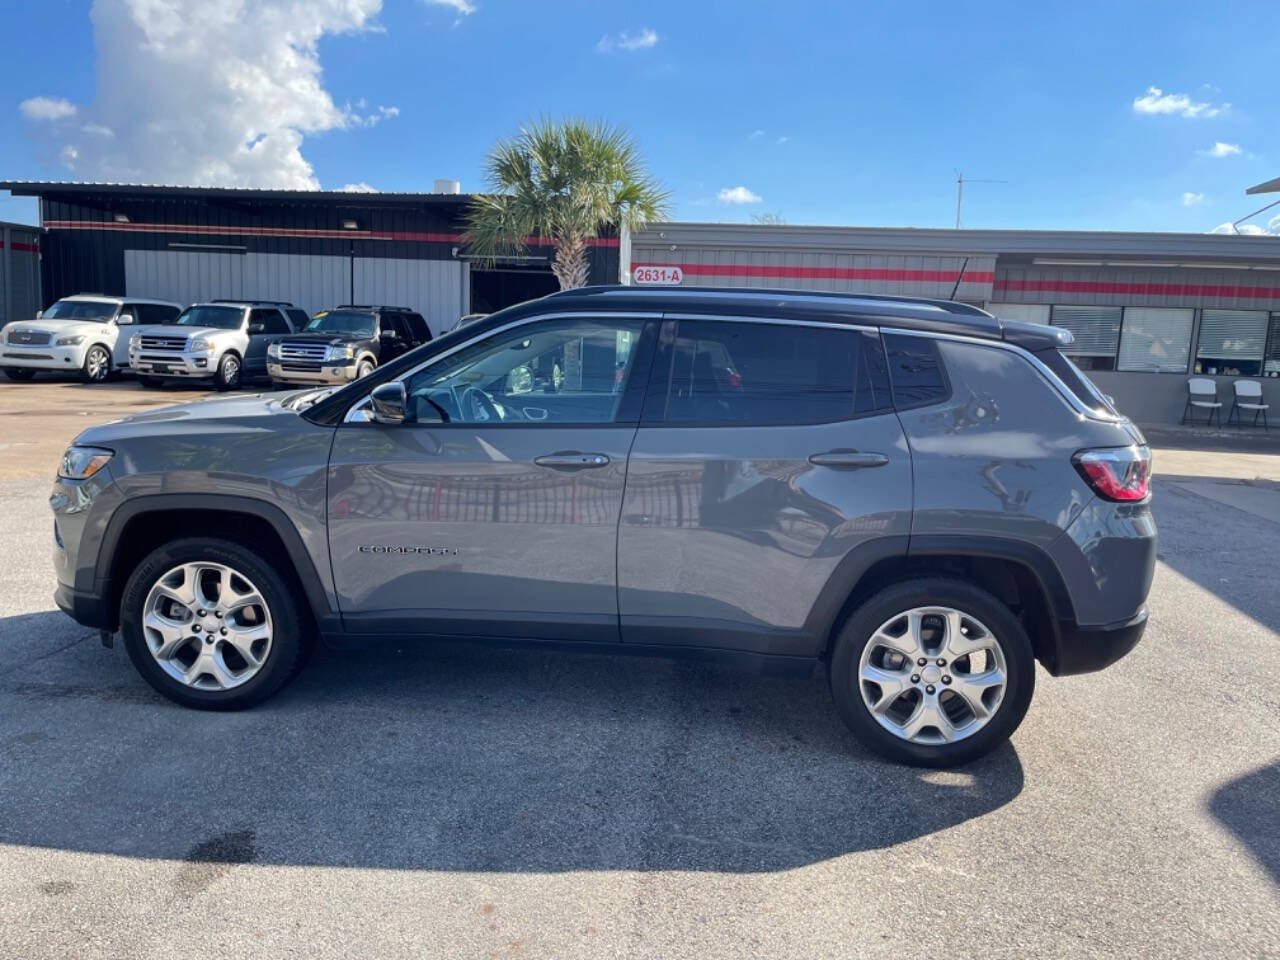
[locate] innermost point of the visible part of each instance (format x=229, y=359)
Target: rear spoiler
x=1035, y=336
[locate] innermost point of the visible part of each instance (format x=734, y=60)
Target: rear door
x=494, y=510
x=266, y=326
x=769, y=469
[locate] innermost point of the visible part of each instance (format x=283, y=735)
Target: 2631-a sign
x=657, y=276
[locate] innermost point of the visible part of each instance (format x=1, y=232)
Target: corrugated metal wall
x=1138, y=286
x=438, y=289
x=19, y=272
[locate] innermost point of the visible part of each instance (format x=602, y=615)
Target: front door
x=493, y=510
x=769, y=453
x=266, y=326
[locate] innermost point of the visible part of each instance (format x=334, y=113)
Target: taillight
x=1116, y=473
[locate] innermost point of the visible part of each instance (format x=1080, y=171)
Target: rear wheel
x=211, y=625
x=228, y=374
x=21, y=374
x=97, y=364
x=933, y=672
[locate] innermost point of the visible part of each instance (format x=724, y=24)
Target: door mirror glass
x=388, y=400
x=257, y=326
x=124, y=319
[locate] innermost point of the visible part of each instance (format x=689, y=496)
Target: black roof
x=912, y=313
x=49, y=188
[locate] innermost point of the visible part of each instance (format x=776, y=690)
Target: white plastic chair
x=1248, y=397
x=1202, y=393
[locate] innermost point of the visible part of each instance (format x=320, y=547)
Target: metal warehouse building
x=314, y=248
x=19, y=271
x=1147, y=309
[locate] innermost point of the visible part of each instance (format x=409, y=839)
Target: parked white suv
x=80, y=333
x=222, y=340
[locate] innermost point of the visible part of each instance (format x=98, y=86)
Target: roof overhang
x=48, y=188
x=1271, y=186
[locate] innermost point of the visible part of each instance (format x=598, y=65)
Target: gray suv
x=920, y=497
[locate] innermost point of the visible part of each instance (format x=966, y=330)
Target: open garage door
x=438, y=289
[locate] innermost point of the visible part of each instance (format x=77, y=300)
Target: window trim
x=648, y=320
x=653, y=413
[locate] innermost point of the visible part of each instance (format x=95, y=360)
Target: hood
x=60, y=328
x=237, y=412
x=330, y=339
x=173, y=330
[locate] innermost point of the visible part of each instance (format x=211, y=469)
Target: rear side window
x=272, y=321
x=421, y=332
x=915, y=371
x=1076, y=381
x=764, y=373
x=158, y=313
x=297, y=317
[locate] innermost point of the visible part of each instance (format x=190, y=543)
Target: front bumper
x=42, y=358
x=326, y=372
x=154, y=363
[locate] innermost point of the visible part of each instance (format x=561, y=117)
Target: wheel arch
x=141, y=524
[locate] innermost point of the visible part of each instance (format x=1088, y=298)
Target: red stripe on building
x=826, y=273
x=410, y=236
x=1203, y=290
x=24, y=247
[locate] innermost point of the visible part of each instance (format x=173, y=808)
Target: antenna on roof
x=959, y=277
x=960, y=192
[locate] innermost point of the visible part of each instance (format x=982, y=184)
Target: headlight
x=273, y=350
x=340, y=353
x=135, y=342
x=201, y=345
x=69, y=341
x=81, y=463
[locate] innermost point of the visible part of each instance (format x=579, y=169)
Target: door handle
x=572, y=460
x=848, y=459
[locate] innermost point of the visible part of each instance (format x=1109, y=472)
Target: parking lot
x=455, y=802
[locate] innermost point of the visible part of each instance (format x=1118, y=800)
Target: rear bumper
x=1086, y=649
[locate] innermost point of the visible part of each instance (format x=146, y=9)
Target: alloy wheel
x=207, y=626
x=230, y=371
x=97, y=364
x=933, y=675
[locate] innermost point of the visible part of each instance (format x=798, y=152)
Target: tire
x=984, y=620
x=243, y=683
x=20, y=374
x=365, y=367
x=97, y=364
x=229, y=373
x=150, y=382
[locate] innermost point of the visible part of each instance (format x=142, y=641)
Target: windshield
x=356, y=322
x=224, y=318
x=96, y=310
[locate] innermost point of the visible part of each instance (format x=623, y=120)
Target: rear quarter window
x=916, y=371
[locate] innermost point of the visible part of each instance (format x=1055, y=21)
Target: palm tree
x=562, y=183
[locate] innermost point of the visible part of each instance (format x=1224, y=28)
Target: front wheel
x=366, y=367
x=933, y=672
x=227, y=376
x=97, y=365
x=211, y=625
x=20, y=374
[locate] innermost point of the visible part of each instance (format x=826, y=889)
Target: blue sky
x=830, y=113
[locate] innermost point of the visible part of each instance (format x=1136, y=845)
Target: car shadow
x=1249, y=807
x=454, y=757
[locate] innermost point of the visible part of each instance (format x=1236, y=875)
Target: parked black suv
x=346, y=343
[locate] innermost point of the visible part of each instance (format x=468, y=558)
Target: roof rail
x=766, y=294
x=372, y=306
x=249, y=300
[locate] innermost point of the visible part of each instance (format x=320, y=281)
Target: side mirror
x=389, y=402
x=39, y=314
x=124, y=319
x=257, y=328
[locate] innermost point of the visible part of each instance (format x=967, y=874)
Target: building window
x=1271, y=365
x=1155, y=340
x=1022, y=312
x=1097, y=335
x=1232, y=342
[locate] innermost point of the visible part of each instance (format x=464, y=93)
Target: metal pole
x=959, y=196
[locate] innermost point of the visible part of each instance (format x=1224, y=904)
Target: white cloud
x=641, y=40
x=1220, y=149
x=69, y=157
x=240, y=120
x=461, y=7
x=360, y=187
x=1251, y=229
x=374, y=118
x=782, y=140
x=756, y=135
x=1192, y=199
x=1156, y=101
x=737, y=195
x=47, y=108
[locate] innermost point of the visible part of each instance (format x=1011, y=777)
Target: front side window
x=1232, y=342
x=98, y=311
x=1155, y=340
x=211, y=315
x=567, y=371
x=359, y=323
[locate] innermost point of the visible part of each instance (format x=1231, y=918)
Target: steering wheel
x=480, y=407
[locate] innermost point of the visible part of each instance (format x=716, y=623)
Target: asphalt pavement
x=447, y=801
